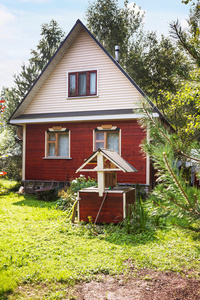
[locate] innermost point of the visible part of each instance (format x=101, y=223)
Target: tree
x=172, y=194
x=157, y=67
x=10, y=146
x=52, y=36
x=184, y=109
x=112, y=25
x=189, y=39
x=187, y=1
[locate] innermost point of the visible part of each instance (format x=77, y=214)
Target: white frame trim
x=124, y=205
x=93, y=140
x=80, y=97
x=81, y=118
x=148, y=162
x=69, y=145
x=78, y=207
x=24, y=153
x=103, y=129
x=120, y=142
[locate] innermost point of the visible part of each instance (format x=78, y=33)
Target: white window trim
x=81, y=97
x=69, y=145
x=103, y=129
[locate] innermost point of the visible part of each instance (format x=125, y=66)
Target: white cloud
x=20, y=32
x=5, y=16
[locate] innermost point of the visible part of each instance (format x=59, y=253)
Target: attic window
x=82, y=84
x=107, y=138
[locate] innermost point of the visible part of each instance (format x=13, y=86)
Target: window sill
x=82, y=97
x=61, y=157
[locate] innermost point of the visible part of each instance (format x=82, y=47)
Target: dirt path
x=136, y=285
x=143, y=285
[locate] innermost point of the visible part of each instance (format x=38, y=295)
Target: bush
x=68, y=197
x=8, y=185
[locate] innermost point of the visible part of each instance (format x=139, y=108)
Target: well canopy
x=119, y=163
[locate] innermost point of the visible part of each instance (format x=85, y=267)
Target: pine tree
x=173, y=192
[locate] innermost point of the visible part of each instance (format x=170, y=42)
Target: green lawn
x=37, y=246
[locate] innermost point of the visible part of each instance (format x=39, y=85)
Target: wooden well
x=106, y=203
x=114, y=208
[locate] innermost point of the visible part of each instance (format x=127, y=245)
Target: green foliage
x=156, y=66
x=172, y=192
x=10, y=145
x=113, y=25
x=68, y=196
x=8, y=185
x=188, y=39
x=186, y=1
x=10, y=148
x=81, y=182
x=141, y=192
x=184, y=109
x=51, y=38
x=136, y=219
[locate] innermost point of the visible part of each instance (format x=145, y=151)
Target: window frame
x=77, y=94
x=56, y=141
x=105, y=131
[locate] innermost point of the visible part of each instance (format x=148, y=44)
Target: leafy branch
x=172, y=192
x=160, y=129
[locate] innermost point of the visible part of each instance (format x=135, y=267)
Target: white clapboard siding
x=115, y=91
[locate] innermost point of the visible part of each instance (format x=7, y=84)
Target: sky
x=21, y=20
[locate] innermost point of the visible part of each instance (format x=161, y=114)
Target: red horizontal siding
x=39, y=168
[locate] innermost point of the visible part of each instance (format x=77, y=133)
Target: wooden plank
x=112, y=210
x=81, y=134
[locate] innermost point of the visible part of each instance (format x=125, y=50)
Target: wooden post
x=100, y=174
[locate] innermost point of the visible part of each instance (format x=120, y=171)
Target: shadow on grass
x=6, y=295
x=32, y=201
x=116, y=235
x=122, y=238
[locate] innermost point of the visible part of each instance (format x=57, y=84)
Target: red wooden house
x=83, y=100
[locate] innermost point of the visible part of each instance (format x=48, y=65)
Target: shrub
x=68, y=197
x=8, y=185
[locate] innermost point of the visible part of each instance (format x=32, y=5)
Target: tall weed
x=136, y=219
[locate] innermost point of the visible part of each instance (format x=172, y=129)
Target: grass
x=7, y=185
x=39, y=248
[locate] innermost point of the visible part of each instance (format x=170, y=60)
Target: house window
x=82, y=84
x=57, y=143
x=107, y=139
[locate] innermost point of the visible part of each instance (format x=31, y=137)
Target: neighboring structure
x=83, y=100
